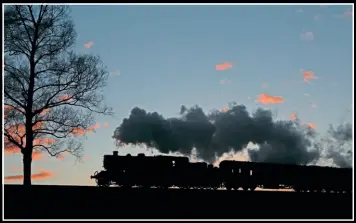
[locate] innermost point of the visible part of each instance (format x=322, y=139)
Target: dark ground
x=74, y=202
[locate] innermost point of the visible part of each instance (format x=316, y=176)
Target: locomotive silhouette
x=174, y=171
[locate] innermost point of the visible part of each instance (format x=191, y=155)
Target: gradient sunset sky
x=162, y=57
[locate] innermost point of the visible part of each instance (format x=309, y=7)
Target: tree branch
x=13, y=141
x=24, y=24
x=14, y=100
x=38, y=41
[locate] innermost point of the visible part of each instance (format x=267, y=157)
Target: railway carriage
x=175, y=171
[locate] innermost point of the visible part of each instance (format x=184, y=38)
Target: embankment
x=77, y=202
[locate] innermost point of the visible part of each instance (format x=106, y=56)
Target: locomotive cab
x=167, y=171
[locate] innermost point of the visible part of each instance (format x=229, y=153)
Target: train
x=163, y=171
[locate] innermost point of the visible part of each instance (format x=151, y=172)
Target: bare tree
x=50, y=93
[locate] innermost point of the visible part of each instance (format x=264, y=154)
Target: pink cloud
x=223, y=66
x=311, y=125
x=293, y=116
x=268, y=99
x=347, y=14
x=307, y=75
x=43, y=174
x=89, y=44
x=225, y=109
x=307, y=36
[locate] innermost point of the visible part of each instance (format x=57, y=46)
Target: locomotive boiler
x=177, y=171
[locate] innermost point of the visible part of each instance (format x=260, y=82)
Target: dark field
x=68, y=202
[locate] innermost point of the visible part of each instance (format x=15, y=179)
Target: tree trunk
x=27, y=161
x=27, y=153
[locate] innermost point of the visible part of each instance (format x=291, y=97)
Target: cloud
x=311, y=125
x=115, y=73
x=293, y=117
x=299, y=10
x=212, y=135
x=65, y=98
x=307, y=75
x=339, y=146
x=347, y=14
x=268, y=99
x=228, y=134
x=43, y=174
x=62, y=155
x=9, y=109
x=45, y=111
x=36, y=155
x=223, y=66
x=306, y=94
x=81, y=131
x=239, y=156
x=264, y=85
x=89, y=44
x=307, y=36
x=18, y=133
x=223, y=82
x=225, y=109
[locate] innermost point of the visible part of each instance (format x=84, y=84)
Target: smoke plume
x=212, y=135
x=338, y=145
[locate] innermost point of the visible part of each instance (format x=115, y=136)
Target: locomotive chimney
x=115, y=153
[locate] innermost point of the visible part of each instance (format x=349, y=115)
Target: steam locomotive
x=174, y=171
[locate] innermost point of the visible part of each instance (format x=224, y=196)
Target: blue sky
x=166, y=57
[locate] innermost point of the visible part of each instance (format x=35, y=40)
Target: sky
x=162, y=57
